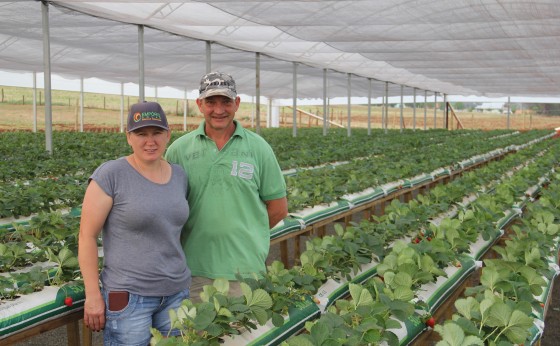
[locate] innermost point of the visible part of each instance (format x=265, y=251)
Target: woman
x=139, y=204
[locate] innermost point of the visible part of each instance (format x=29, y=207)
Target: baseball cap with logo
x=146, y=114
x=217, y=83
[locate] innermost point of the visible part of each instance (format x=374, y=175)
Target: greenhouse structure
x=398, y=233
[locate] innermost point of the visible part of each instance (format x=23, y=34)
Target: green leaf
x=260, y=298
x=518, y=327
x=451, y=334
x=466, y=306
x=277, y=319
x=489, y=277
x=360, y=295
x=222, y=286
x=319, y=333
x=498, y=315
x=260, y=314
x=404, y=294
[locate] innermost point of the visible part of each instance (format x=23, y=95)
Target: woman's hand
x=94, y=312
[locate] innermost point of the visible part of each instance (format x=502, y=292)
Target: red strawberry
x=68, y=301
x=431, y=322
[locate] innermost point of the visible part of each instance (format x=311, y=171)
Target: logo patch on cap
x=146, y=116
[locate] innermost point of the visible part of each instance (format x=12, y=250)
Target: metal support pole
x=294, y=101
x=445, y=112
x=385, y=121
x=325, y=107
x=253, y=112
x=425, y=108
x=141, y=87
x=34, y=101
x=122, y=108
x=402, y=109
x=185, y=111
x=258, y=91
x=348, y=130
x=47, y=76
x=369, y=108
x=509, y=111
x=208, y=56
x=435, y=110
x=414, y=110
x=81, y=104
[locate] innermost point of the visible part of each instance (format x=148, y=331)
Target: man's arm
x=277, y=210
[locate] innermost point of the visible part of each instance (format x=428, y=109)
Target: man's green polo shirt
x=227, y=231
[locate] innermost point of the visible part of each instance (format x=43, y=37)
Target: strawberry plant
x=488, y=320
x=342, y=254
x=285, y=286
x=66, y=266
x=405, y=269
x=217, y=315
x=363, y=319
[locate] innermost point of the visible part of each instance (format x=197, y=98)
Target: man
x=236, y=190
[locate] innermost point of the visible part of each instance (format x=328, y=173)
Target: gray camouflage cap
x=217, y=83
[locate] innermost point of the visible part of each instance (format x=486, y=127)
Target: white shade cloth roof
x=487, y=48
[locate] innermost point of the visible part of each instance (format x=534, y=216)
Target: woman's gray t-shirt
x=141, y=236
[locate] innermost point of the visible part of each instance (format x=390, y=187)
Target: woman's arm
x=95, y=208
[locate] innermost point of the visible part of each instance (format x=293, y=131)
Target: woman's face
x=148, y=143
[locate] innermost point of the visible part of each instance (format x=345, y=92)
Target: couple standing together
x=172, y=225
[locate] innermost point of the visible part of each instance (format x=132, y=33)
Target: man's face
x=218, y=111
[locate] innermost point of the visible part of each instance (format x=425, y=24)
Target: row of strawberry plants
x=508, y=304
x=34, y=181
x=369, y=316
x=308, y=148
x=66, y=264
x=412, y=267
x=326, y=185
x=28, y=244
x=15, y=253
x=314, y=269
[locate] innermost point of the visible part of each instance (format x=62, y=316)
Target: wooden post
x=86, y=335
x=73, y=333
x=284, y=253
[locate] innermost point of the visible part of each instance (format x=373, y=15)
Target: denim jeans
x=131, y=325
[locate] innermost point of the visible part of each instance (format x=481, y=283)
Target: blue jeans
x=131, y=325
